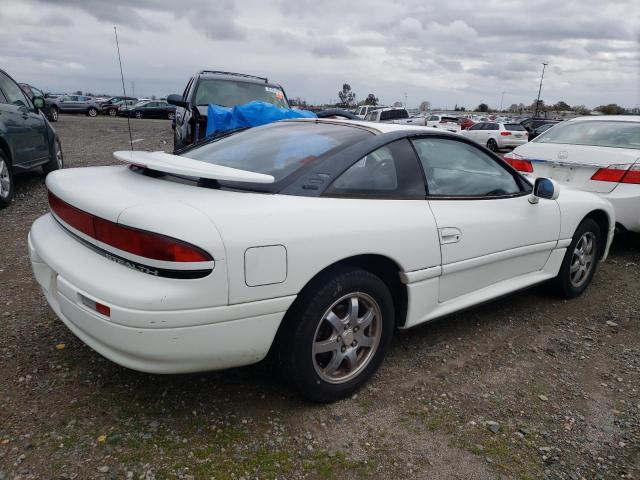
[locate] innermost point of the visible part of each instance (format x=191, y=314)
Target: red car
x=466, y=123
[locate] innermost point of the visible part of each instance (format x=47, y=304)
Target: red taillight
x=519, y=164
x=618, y=174
x=505, y=134
x=131, y=240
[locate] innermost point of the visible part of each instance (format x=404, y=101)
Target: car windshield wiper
x=209, y=139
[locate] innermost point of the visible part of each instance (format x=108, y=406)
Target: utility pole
x=501, y=100
x=405, y=100
x=544, y=65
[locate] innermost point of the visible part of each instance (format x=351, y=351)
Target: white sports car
x=312, y=239
x=595, y=154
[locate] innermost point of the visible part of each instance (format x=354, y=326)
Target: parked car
x=27, y=139
x=363, y=110
x=595, y=154
x=313, y=239
x=496, y=136
x=392, y=115
x=152, y=109
x=111, y=105
x=227, y=89
x=78, y=104
x=541, y=129
x=446, y=122
x=466, y=122
x=532, y=123
x=50, y=108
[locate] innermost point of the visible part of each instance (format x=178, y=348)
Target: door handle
x=449, y=235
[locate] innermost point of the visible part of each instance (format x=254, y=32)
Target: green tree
x=561, y=106
x=425, y=106
x=483, y=107
x=371, y=100
x=611, y=109
x=347, y=96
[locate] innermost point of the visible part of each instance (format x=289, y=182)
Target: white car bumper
x=155, y=341
x=625, y=199
x=511, y=141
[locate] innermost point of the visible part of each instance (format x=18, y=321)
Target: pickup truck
x=393, y=115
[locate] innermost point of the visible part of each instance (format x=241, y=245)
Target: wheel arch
x=604, y=222
x=382, y=266
x=4, y=147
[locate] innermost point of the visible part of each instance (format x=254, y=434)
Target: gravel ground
x=528, y=386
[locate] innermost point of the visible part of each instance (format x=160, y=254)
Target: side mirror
x=177, y=100
x=38, y=102
x=544, y=188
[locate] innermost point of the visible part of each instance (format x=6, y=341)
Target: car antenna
x=124, y=92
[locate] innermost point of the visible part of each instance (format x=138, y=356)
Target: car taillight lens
x=519, y=163
x=505, y=134
x=138, y=242
x=618, y=174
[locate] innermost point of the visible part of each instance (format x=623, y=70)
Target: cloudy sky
x=448, y=52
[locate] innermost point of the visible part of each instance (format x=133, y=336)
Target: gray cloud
x=445, y=52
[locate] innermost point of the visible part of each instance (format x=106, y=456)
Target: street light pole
x=544, y=65
x=501, y=100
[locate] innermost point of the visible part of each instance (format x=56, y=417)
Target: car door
x=475, y=131
x=489, y=232
x=26, y=128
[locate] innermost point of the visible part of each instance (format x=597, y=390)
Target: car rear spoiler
x=177, y=165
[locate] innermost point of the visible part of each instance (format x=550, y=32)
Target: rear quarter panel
x=318, y=232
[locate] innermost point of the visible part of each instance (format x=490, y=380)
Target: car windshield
x=230, y=93
x=599, y=133
x=278, y=149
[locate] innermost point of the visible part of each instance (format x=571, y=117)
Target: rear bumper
x=511, y=142
x=171, y=340
x=625, y=199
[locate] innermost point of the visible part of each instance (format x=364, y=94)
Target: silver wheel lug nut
x=343, y=349
x=354, y=343
x=339, y=339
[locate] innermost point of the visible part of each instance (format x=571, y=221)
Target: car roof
x=376, y=127
x=238, y=77
x=613, y=118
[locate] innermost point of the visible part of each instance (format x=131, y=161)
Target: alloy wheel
x=583, y=259
x=5, y=179
x=54, y=114
x=138, y=114
x=347, y=337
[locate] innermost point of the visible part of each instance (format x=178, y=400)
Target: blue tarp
x=252, y=114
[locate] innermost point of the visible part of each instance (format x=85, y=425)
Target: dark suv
x=221, y=88
x=27, y=139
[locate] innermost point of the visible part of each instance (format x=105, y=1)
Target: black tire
x=137, y=114
x=57, y=162
x=53, y=114
x=564, y=284
x=492, y=145
x=7, y=189
x=92, y=112
x=303, y=328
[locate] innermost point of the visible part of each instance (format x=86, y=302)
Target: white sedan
x=595, y=154
x=312, y=239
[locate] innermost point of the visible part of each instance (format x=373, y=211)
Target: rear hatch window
x=278, y=149
x=514, y=127
x=394, y=115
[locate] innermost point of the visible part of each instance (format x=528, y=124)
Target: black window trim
x=525, y=187
x=377, y=195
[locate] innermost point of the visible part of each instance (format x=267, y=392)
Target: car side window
x=493, y=126
x=370, y=116
x=478, y=126
x=390, y=171
x=457, y=169
x=12, y=92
